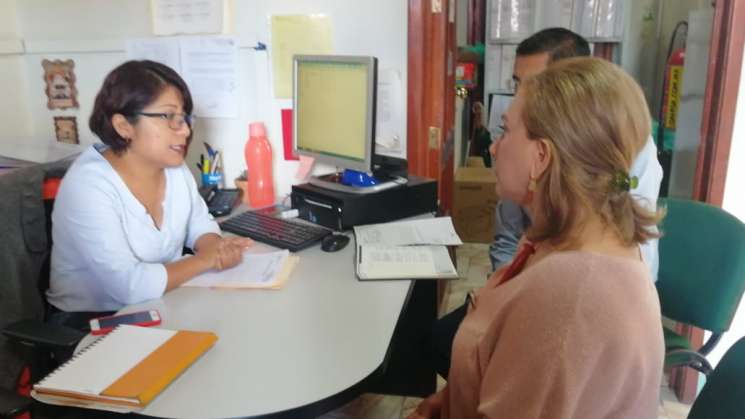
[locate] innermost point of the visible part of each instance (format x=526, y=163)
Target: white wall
x=8, y=19
x=640, y=42
x=14, y=114
x=461, y=22
x=734, y=203
x=376, y=28
x=688, y=129
x=56, y=30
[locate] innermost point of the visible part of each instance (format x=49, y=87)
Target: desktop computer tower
x=341, y=210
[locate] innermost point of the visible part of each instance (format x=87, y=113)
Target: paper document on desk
x=257, y=270
x=404, y=262
x=412, y=249
x=404, y=233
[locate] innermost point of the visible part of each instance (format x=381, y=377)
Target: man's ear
x=122, y=126
x=543, y=156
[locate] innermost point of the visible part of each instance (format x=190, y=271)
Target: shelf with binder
x=513, y=20
x=509, y=22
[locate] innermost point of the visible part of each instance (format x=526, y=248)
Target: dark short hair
x=127, y=90
x=557, y=42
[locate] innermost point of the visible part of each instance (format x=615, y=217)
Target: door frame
x=717, y=123
x=431, y=94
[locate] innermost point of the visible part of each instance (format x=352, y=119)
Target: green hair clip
x=623, y=182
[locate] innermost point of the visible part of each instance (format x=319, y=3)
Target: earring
x=532, y=186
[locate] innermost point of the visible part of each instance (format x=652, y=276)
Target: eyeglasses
x=175, y=120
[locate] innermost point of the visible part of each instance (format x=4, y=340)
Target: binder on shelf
x=124, y=370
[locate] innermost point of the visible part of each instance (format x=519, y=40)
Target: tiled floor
x=473, y=266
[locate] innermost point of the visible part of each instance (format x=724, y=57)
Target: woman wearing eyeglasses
x=127, y=208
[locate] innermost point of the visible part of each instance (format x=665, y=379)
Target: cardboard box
x=475, y=161
x=474, y=203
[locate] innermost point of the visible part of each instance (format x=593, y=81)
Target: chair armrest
x=12, y=404
x=39, y=334
x=693, y=359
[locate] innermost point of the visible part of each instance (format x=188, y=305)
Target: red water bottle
x=259, y=162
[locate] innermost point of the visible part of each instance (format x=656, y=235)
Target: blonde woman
x=571, y=329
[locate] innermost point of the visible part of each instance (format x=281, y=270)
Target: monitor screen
x=334, y=109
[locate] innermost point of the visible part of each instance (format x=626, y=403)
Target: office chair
x=701, y=277
x=723, y=395
x=26, y=341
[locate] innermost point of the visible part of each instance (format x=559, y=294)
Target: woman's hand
x=212, y=252
x=224, y=253
x=230, y=251
x=430, y=407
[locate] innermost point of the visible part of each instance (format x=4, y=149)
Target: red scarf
x=518, y=263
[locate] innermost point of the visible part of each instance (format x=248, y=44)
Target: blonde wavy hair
x=596, y=121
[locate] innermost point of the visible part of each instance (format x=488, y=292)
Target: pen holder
x=211, y=179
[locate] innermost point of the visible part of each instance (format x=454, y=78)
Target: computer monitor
x=334, y=109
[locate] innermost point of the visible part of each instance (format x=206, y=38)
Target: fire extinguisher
x=668, y=110
x=673, y=83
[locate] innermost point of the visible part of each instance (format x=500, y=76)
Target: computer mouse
x=334, y=242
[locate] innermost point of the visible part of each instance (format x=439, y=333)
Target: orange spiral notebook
x=124, y=370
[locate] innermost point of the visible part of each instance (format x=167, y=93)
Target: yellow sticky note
x=296, y=34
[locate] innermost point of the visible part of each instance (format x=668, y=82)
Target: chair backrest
x=702, y=264
x=723, y=395
x=24, y=255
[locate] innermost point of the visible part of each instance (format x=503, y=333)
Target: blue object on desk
x=211, y=179
x=354, y=178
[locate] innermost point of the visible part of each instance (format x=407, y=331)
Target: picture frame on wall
x=66, y=129
x=59, y=77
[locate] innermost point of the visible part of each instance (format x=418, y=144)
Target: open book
x=406, y=249
x=257, y=270
x=124, y=370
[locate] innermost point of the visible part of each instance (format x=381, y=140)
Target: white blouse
x=107, y=250
x=647, y=168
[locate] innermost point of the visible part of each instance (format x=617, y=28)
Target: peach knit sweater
x=576, y=336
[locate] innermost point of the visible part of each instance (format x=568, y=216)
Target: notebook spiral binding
x=76, y=356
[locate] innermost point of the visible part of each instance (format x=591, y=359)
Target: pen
x=206, y=167
x=215, y=162
x=218, y=165
x=210, y=150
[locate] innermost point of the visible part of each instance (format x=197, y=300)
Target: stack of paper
x=406, y=249
x=257, y=270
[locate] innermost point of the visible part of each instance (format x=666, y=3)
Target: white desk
x=320, y=335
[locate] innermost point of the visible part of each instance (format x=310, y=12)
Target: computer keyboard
x=278, y=232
